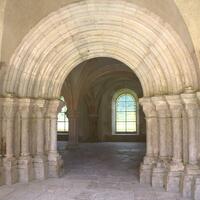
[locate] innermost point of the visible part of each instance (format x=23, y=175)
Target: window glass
x=126, y=116
x=62, y=121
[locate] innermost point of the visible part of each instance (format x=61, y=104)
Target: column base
x=159, y=173
x=196, y=192
x=25, y=166
x=40, y=167
x=10, y=171
x=55, y=165
x=174, y=176
x=190, y=173
x=146, y=170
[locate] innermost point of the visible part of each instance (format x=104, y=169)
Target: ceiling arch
x=90, y=29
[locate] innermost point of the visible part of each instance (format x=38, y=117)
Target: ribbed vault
x=89, y=29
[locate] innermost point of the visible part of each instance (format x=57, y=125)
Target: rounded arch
x=78, y=32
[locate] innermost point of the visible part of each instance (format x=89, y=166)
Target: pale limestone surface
x=77, y=32
x=98, y=171
x=146, y=41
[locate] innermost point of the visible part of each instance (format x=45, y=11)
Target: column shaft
x=73, y=128
x=25, y=161
x=53, y=133
x=40, y=159
x=55, y=163
x=192, y=169
x=163, y=154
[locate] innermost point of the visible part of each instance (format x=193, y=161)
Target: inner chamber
x=101, y=98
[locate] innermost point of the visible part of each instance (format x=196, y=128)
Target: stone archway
x=78, y=32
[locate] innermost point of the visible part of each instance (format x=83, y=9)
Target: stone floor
x=103, y=171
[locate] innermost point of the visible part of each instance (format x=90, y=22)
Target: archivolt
x=93, y=28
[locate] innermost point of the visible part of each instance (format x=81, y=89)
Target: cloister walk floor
x=95, y=171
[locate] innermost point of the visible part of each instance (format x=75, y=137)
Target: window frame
x=66, y=122
x=114, y=121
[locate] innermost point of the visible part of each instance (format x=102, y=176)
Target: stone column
x=9, y=161
x=1, y=147
x=93, y=118
x=192, y=169
x=176, y=166
x=40, y=159
x=55, y=162
x=73, y=128
x=196, y=189
x=152, y=140
x=159, y=171
x=25, y=161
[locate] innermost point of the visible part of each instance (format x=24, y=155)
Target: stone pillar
x=1, y=145
x=152, y=140
x=55, y=162
x=176, y=166
x=9, y=161
x=25, y=161
x=73, y=128
x=160, y=169
x=93, y=118
x=40, y=159
x=192, y=169
x=196, y=188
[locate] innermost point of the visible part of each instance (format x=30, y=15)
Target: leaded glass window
x=63, y=122
x=126, y=114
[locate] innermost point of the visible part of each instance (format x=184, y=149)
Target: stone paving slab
x=109, y=173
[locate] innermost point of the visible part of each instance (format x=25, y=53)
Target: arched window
x=125, y=112
x=63, y=122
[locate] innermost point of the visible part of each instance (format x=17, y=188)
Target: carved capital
x=148, y=107
x=24, y=107
x=175, y=104
x=161, y=105
x=54, y=107
x=7, y=106
x=191, y=105
x=39, y=107
x=198, y=96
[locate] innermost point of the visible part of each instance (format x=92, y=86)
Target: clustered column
x=9, y=161
x=152, y=140
x=159, y=171
x=40, y=159
x=175, y=165
x=34, y=154
x=1, y=146
x=192, y=170
x=55, y=163
x=25, y=161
